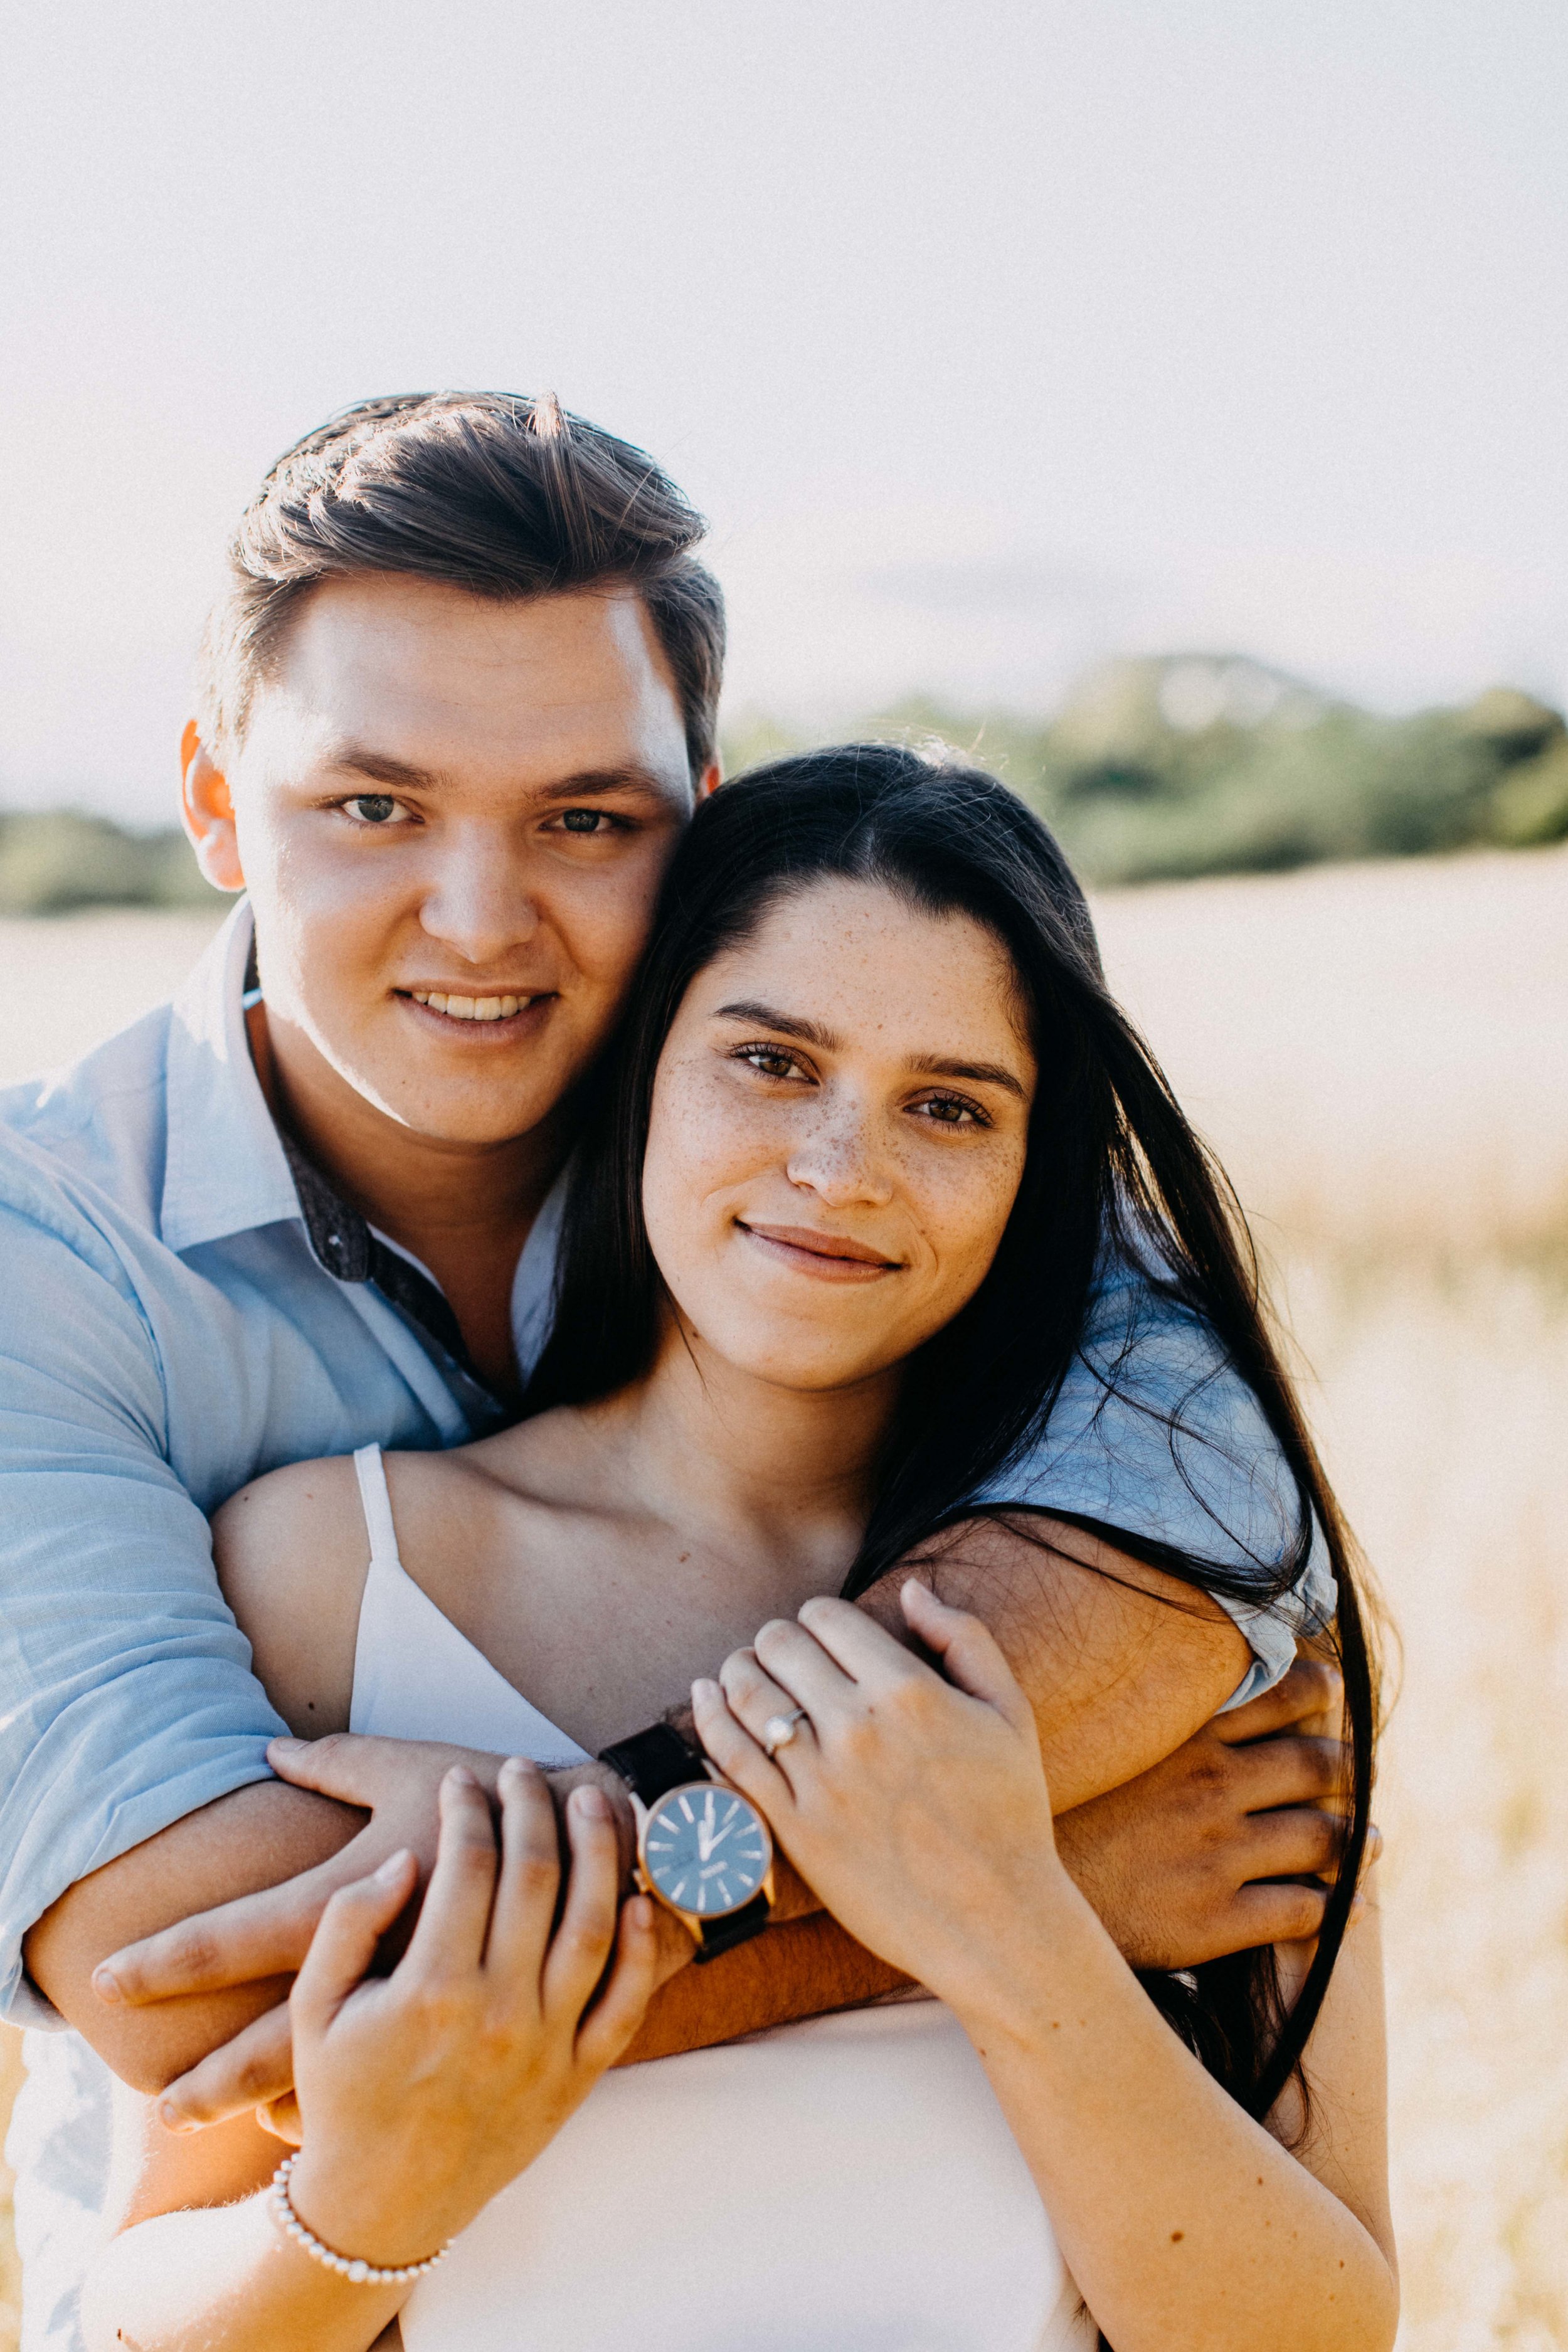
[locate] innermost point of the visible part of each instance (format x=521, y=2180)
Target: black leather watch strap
x=654, y=1761
x=723, y=1934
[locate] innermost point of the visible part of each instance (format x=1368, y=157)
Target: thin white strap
x=371, y=1472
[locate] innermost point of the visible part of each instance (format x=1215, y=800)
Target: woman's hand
x=424, y=2093
x=916, y=1806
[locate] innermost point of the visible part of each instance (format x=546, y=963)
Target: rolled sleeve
x=126, y=1696
x=1156, y=1434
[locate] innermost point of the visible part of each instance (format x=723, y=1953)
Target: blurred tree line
x=1161, y=769
x=55, y=861
x=1153, y=770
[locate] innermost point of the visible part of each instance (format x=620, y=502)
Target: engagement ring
x=779, y=1730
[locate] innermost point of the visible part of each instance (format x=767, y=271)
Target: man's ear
x=208, y=812
x=711, y=779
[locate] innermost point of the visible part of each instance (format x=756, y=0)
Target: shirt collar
x=229, y=1168
x=225, y=1171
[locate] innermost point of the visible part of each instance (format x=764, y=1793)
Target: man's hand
x=255, y=1943
x=156, y=2005
x=1222, y=1846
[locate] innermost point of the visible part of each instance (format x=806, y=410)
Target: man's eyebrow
x=591, y=784
x=813, y=1033
x=810, y=1033
x=382, y=768
x=588, y=783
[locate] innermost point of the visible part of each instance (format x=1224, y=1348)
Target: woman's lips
x=830, y=1257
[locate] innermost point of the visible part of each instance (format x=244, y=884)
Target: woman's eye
x=771, y=1060
x=375, y=808
x=948, y=1112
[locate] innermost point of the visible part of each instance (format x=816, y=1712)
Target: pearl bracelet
x=359, y=2274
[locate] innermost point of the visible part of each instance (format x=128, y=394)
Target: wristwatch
x=703, y=1850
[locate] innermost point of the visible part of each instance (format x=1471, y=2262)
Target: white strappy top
x=845, y=2185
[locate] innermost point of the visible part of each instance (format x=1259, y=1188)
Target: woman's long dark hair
x=1112, y=1172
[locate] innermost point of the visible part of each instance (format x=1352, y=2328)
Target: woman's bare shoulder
x=292, y=1553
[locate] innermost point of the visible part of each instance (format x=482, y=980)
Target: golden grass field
x=1380, y=1054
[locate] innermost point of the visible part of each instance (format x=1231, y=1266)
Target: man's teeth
x=471, y=1008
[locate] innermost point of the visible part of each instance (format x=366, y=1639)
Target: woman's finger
x=344, y=1945
x=757, y=1702
x=864, y=1650
x=450, y=1938
x=740, y=1757
x=582, y=1943
x=529, y=1874
x=608, y=2028
x=809, y=1677
x=970, y=1654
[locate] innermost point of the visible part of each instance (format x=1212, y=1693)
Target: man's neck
x=463, y=1209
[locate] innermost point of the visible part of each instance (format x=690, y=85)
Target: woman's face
x=840, y=1115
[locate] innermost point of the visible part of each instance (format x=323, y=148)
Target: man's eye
x=373, y=808
x=585, y=820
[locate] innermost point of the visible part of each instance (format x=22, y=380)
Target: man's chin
x=465, y=1110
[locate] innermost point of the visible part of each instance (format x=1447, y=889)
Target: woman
x=873, y=1127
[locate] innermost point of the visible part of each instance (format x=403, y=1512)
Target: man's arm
x=1123, y=1664
x=126, y=1698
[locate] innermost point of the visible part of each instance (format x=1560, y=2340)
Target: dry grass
x=1381, y=1055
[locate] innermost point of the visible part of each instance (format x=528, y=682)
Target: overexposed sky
x=993, y=338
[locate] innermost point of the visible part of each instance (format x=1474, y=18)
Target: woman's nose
x=479, y=904
x=840, y=1162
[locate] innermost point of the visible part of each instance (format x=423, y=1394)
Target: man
x=458, y=700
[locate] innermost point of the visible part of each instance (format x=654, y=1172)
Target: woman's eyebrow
x=812, y=1032
x=764, y=1016
x=982, y=1074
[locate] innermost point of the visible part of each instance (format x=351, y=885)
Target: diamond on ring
x=779, y=1730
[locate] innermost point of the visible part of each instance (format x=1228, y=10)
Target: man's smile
x=470, y=1008
x=500, y=1015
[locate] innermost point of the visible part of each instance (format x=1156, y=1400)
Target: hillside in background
x=1153, y=771
x=1199, y=764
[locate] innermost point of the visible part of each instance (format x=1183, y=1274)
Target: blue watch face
x=706, y=1850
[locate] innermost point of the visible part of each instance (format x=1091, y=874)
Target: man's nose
x=479, y=903
x=841, y=1160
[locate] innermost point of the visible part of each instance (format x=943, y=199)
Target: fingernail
x=106, y=1986
x=170, y=2118
x=704, y=1691
x=285, y=1744
x=459, y=1777
x=520, y=1768
x=1373, y=1838
x=393, y=1866
x=592, y=1804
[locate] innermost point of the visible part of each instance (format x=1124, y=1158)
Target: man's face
x=442, y=801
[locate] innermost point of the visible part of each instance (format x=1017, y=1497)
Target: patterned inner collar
x=345, y=1245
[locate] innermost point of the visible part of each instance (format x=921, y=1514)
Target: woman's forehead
x=867, y=963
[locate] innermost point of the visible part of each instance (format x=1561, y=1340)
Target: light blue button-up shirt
x=167, y=1333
